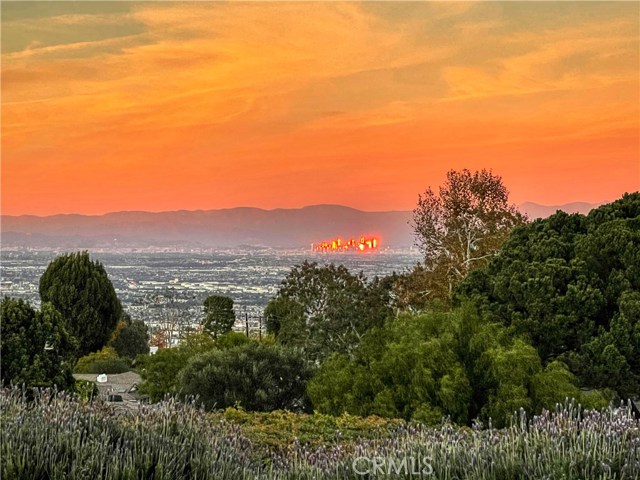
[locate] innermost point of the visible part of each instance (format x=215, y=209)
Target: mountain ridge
x=280, y=227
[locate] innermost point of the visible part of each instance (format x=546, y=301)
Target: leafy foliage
x=326, y=309
x=81, y=290
x=159, y=372
x=458, y=230
x=231, y=339
x=440, y=364
x=86, y=390
x=37, y=350
x=255, y=376
x=132, y=340
x=104, y=361
x=279, y=431
x=570, y=284
x=219, y=315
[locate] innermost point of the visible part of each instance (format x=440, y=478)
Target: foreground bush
x=104, y=361
x=453, y=363
x=278, y=431
x=568, y=443
x=255, y=376
x=159, y=372
x=57, y=437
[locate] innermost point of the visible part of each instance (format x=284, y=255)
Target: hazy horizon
x=248, y=207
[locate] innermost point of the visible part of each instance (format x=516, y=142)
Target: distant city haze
x=164, y=106
x=229, y=228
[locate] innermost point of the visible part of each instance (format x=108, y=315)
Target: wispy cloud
x=245, y=88
x=35, y=49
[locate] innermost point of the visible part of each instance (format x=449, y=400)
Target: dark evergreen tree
x=570, y=284
x=36, y=348
x=81, y=291
x=132, y=340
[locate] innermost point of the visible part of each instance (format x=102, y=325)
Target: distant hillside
x=535, y=210
x=214, y=228
x=286, y=228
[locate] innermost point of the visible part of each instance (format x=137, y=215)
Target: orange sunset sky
x=161, y=106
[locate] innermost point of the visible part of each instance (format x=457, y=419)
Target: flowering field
x=56, y=436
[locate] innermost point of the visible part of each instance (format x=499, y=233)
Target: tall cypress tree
x=80, y=289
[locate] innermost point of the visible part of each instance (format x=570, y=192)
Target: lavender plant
x=57, y=436
x=568, y=443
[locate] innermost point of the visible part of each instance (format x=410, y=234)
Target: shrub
x=254, y=376
x=159, y=372
x=230, y=340
x=279, y=430
x=86, y=390
x=57, y=437
x=441, y=364
x=104, y=361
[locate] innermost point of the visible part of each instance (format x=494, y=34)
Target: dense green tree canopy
x=37, y=350
x=219, y=315
x=570, y=284
x=440, y=364
x=132, y=340
x=255, y=376
x=106, y=361
x=81, y=291
x=325, y=309
x=159, y=372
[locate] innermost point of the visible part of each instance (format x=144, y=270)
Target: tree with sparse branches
x=462, y=226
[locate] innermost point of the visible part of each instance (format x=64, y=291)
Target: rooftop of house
x=122, y=384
